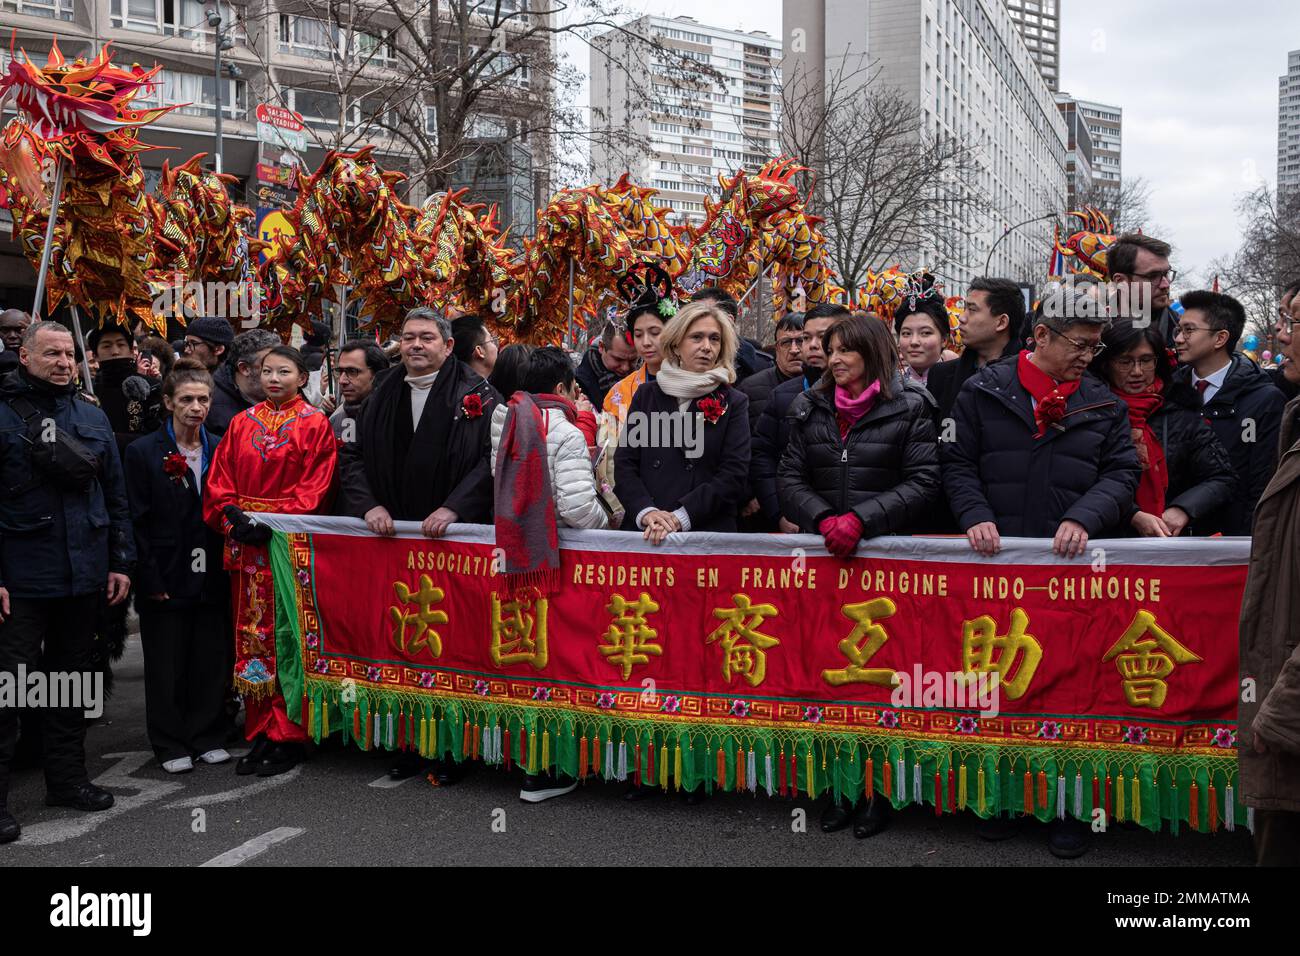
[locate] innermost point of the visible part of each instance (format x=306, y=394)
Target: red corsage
x=175, y=468
x=472, y=405
x=1049, y=411
x=712, y=409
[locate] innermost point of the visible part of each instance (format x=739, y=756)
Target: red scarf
x=1049, y=394
x=526, y=529
x=1155, y=473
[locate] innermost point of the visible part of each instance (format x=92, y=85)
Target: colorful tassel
x=478, y=740
x=306, y=712
x=961, y=786
x=1096, y=790
x=424, y=735
x=810, y=783
x=916, y=782
x=1060, y=797
x=1193, y=807
x=900, y=778
x=983, y=806
x=952, y=788
x=1250, y=820
x=1078, y=795
x=1229, y=810
x=1029, y=792
x=886, y=777
x=722, y=770
x=636, y=764
x=546, y=751
x=1042, y=790
x=1137, y=798
x=506, y=747
x=595, y=755
x=1214, y=810
x=1109, y=804
x=324, y=718
x=870, y=783
x=794, y=776
x=1119, y=797
x=622, y=759
x=582, y=757
x=677, y=765
x=663, y=766
x=356, y=726
x=740, y=769
x=938, y=794
x=532, y=752
x=401, y=731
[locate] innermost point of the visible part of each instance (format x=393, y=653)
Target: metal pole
x=568, y=335
x=81, y=344
x=216, y=33
x=1009, y=231
x=49, y=240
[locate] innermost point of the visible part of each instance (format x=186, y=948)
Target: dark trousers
x=66, y=627
x=1277, y=838
x=185, y=671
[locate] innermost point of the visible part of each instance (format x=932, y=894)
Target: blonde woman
x=682, y=463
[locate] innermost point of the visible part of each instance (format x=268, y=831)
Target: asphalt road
x=339, y=809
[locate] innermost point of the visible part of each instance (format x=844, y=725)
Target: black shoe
x=278, y=759
x=545, y=786
x=9, y=828
x=835, y=817
x=443, y=771
x=1068, y=839
x=997, y=829
x=248, y=763
x=408, y=764
x=871, y=817
x=635, y=793
x=86, y=797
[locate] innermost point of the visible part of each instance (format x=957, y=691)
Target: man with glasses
x=1288, y=316
x=360, y=364
x=789, y=348
x=1041, y=450
x=1234, y=395
x=208, y=339
x=475, y=344
x=1141, y=265
x=421, y=450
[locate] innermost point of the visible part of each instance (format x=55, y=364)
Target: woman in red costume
x=278, y=456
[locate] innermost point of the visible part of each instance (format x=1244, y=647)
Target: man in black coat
x=132, y=402
x=772, y=433
x=990, y=326
x=1039, y=467
x=608, y=360
x=422, y=444
x=789, y=350
x=13, y=323
x=1234, y=395
x=1139, y=264
x=237, y=384
x=65, y=544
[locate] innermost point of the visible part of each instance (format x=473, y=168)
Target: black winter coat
x=771, y=436
x=946, y=379
x=758, y=389
x=886, y=471
x=227, y=402
x=169, y=528
x=55, y=543
x=712, y=487
x=593, y=377
x=1085, y=469
x=1247, y=395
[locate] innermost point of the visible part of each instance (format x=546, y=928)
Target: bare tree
x=888, y=187
x=1267, y=260
x=1129, y=207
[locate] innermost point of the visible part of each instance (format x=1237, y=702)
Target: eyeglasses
x=1170, y=274
x=352, y=372
x=193, y=343
x=1186, y=330
x=1080, y=347
x=1125, y=364
x=791, y=342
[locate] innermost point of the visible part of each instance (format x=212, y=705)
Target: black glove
x=242, y=528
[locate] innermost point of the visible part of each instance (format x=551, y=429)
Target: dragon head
x=79, y=110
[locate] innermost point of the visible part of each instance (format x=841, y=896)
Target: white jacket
x=573, y=483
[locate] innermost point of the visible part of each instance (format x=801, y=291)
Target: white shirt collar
x=1214, y=378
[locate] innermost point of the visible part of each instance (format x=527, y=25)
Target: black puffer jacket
x=1201, y=478
x=227, y=402
x=886, y=471
x=1084, y=470
x=759, y=388
x=1249, y=396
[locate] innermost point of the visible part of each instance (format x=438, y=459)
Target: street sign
x=280, y=127
x=277, y=175
x=278, y=116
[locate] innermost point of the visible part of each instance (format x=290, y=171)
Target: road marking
x=255, y=847
x=116, y=777
x=388, y=783
x=225, y=796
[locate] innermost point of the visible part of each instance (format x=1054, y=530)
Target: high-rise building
x=341, y=69
x=696, y=130
x=1039, y=22
x=1106, y=128
x=1078, y=163
x=964, y=66
x=1288, y=124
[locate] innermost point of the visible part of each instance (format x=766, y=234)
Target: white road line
x=255, y=847
x=225, y=796
x=388, y=783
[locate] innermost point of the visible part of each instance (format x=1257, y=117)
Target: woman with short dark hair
x=1186, y=472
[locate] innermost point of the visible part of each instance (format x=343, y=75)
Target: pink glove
x=842, y=534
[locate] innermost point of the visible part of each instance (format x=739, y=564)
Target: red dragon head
x=78, y=110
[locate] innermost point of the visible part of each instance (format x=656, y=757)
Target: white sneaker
x=179, y=765
x=544, y=787
x=215, y=756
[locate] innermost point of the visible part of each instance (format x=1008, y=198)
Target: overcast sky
x=1197, y=80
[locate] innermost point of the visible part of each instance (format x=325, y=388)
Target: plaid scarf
x=526, y=529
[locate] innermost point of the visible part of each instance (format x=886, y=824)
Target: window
x=198, y=91
x=324, y=40
x=52, y=9
x=184, y=18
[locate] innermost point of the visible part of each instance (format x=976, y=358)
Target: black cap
x=211, y=328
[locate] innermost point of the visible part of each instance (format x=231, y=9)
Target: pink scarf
x=848, y=409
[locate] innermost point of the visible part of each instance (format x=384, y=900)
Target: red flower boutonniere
x=472, y=405
x=175, y=468
x=712, y=409
x=1050, y=411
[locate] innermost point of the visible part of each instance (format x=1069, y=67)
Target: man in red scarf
x=1040, y=450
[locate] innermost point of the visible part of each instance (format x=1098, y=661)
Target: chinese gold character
x=423, y=618
x=519, y=630
x=629, y=639
x=1016, y=651
x=1149, y=661
x=748, y=659
x=862, y=643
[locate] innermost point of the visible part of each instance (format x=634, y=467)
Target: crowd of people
x=1063, y=424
